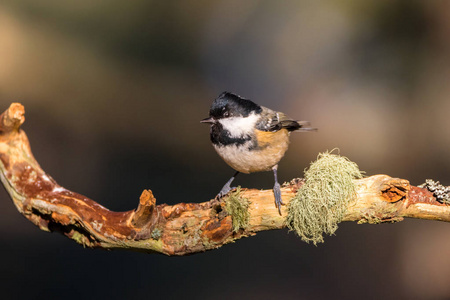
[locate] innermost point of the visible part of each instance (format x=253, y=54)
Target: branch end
x=12, y=118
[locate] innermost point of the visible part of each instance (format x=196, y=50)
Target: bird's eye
x=226, y=114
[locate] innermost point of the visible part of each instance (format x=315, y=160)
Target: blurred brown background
x=114, y=92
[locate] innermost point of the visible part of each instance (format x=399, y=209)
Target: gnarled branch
x=183, y=228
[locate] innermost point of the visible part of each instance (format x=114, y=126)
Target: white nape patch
x=239, y=126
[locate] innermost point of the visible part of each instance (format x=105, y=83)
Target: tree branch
x=183, y=228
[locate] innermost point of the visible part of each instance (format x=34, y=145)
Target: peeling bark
x=183, y=228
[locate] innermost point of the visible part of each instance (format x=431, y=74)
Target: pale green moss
x=322, y=201
x=237, y=208
x=79, y=238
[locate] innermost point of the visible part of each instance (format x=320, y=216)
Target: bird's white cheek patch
x=239, y=126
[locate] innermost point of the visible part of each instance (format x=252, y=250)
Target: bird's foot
x=277, y=194
x=224, y=191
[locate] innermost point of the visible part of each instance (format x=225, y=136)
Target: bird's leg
x=227, y=187
x=277, y=190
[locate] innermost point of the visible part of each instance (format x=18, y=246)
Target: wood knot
x=395, y=190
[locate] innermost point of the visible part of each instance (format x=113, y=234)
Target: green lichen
x=156, y=234
x=237, y=208
x=322, y=201
x=442, y=193
x=79, y=238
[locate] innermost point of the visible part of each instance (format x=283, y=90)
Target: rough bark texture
x=183, y=228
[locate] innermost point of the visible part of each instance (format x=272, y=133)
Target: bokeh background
x=114, y=91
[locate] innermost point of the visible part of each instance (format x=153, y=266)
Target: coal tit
x=249, y=137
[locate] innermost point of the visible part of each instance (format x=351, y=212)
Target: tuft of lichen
x=156, y=234
x=79, y=238
x=237, y=208
x=322, y=201
x=442, y=193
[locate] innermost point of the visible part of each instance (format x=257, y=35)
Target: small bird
x=249, y=137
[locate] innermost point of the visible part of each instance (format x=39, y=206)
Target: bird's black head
x=231, y=105
x=232, y=119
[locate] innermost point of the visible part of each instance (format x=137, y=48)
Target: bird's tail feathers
x=299, y=126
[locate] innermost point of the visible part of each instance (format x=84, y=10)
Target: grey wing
x=273, y=121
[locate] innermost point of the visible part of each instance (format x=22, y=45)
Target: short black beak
x=207, y=120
